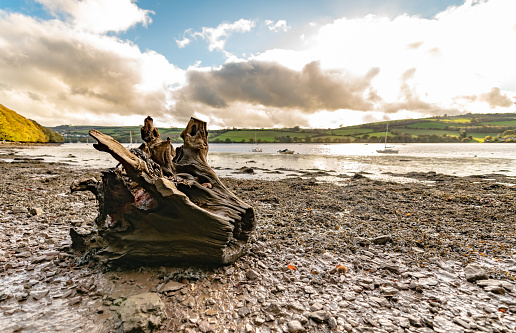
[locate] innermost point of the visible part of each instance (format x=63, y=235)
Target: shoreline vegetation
x=361, y=256
x=16, y=128
x=465, y=128
x=439, y=129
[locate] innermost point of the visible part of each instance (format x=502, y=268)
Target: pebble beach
x=362, y=255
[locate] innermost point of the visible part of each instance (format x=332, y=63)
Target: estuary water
x=335, y=159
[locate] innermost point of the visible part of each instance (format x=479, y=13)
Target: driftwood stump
x=163, y=205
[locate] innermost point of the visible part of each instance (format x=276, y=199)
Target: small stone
x=461, y=322
x=495, y=289
x=171, y=286
x=418, y=275
x=356, y=288
x=381, y=240
x=441, y=322
x=248, y=328
x=39, y=259
x=475, y=272
x=332, y=322
x=280, y=288
x=396, y=269
x=274, y=308
x=349, y=296
x=382, y=301
x=309, y=290
x=189, y=302
x=74, y=300
x=362, y=241
x=142, y=313
x=38, y=294
x=295, y=326
x=269, y=317
x=319, y=316
x=211, y=312
x=414, y=321
x=316, y=307
x=205, y=327
x=388, y=291
x=252, y=275
x=19, y=210
x=242, y=312
x=297, y=306
x=259, y=320
x=403, y=322
x=428, y=283
x=37, y=211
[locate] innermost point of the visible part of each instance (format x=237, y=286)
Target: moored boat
x=286, y=151
x=387, y=149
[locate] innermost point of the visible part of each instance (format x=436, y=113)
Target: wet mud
x=359, y=256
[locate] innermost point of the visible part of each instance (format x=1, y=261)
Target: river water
x=336, y=159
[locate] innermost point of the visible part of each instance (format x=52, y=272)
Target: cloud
x=53, y=73
x=442, y=58
x=410, y=101
x=99, y=16
x=495, y=99
x=269, y=84
x=414, y=45
x=72, y=69
x=183, y=43
x=280, y=25
x=217, y=37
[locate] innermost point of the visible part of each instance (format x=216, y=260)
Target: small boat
x=387, y=149
x=256, y=149
x=130, y=139
x=286, y=151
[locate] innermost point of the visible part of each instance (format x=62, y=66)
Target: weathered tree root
x=161, y=205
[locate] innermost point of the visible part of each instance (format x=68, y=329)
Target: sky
x=255, y=64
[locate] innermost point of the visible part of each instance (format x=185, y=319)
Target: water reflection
x=336, y=159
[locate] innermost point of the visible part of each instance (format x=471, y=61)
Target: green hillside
x=14, y=127
x=120, y=133
x=463, y=128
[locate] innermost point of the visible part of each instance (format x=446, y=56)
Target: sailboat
x=256, y=149
x=387, y=149
x=130, y=139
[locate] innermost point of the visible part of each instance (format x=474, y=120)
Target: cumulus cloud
x=99, y=16
x=270, y=85
x=183, y=43
x=409, y=100
x=52, y=72
x=280, y=25
x=363, y=68
x=217, y=37
x=496, y=99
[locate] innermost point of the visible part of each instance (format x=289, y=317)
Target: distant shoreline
x=9, y=144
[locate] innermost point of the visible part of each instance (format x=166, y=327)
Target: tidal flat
x=436, y=254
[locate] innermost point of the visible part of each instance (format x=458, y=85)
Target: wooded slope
x=14, y=127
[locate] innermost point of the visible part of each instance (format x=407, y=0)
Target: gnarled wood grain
x=165, y=205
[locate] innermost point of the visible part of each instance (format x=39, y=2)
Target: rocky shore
x=359, y=256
